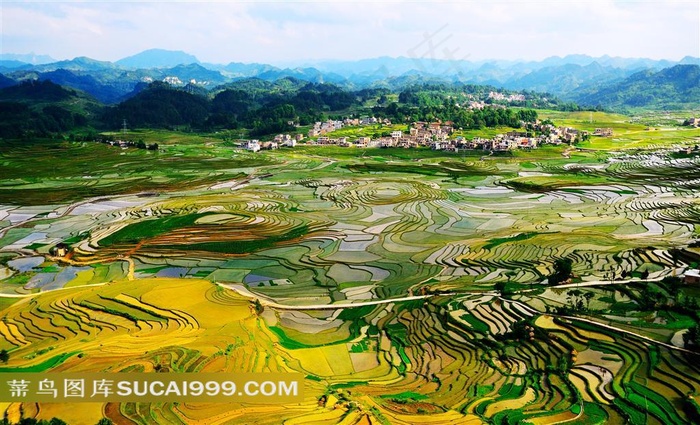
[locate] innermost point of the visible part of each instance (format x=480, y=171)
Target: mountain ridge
x=676, y=87
x=572, y=77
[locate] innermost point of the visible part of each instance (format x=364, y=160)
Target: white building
x=253, y=145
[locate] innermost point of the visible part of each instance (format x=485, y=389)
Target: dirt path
x=240, y=289
x=602, y=325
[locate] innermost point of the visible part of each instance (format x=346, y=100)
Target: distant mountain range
x=611, y=82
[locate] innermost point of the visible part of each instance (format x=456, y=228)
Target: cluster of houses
x=475, y=103
x=435, y=135
x=175, y=81
x=321, y=128
x=420, y=134
x=507, y=97
x=125, y=144
x=120, y=143
x=501, y=142
x=281, y=140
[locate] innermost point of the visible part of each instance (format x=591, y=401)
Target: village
x=434, y=135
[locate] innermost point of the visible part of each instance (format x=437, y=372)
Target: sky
x=281, y=32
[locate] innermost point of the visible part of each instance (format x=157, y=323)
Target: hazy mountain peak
x=689, y=60
x=87, y=60
x=157, y=58
x=80, y=63
x=30, y=58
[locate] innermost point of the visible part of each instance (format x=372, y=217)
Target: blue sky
x=282, y=32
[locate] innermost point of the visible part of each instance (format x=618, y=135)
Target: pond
x=25, y=264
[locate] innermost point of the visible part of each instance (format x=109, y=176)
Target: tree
x=562, y=271
x=673, y=284
x=575, y=298
x=104, y=421
x=649, y=298
x=258, y=307
x=691, y=339
x=4, y=356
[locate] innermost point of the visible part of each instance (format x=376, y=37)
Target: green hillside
x=41, y=108
x=677, y=87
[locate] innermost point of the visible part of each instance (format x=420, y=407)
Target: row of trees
x=461, y=117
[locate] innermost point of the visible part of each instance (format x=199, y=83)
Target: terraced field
x=408, y=286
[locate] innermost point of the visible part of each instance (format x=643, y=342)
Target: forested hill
x=36, y=91
x=40, y=108
x=265, y=108
x=261, y=108
x=677, y=87
x=159, y=106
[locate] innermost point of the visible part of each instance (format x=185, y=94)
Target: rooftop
x=692, y=272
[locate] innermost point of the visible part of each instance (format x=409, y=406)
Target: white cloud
x=275, y=31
